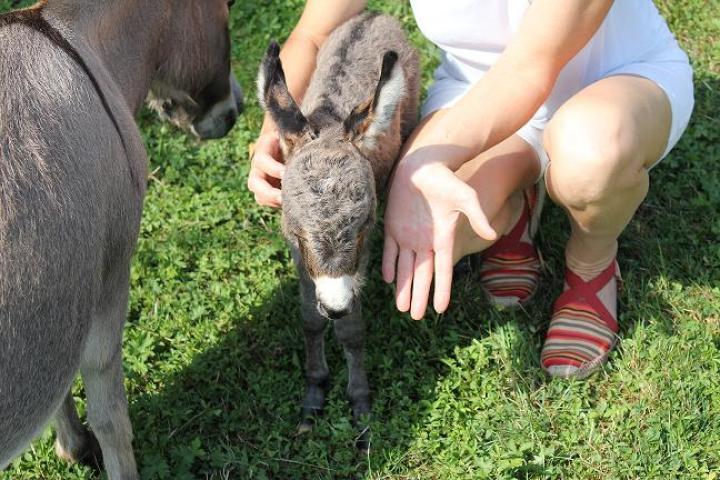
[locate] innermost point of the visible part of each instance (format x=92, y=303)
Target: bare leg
x=499, y=177
x=317, y=375
x=74, y=442
x=601, y=144
x=102, y=374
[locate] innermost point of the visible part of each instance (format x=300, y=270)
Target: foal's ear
x=275, y=98
x=369, y=120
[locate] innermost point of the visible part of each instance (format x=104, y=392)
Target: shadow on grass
x=233, y=412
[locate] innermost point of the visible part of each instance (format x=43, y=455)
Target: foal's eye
x=231, y=3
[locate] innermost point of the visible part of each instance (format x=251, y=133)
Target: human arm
x=550, y=34
x=298, y=56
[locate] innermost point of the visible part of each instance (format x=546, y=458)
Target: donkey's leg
x=74, y=443
x=108, y=418
x=350, y=332
x=317, y=375
x=103, y=376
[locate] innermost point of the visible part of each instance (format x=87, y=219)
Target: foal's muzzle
x=335, y=296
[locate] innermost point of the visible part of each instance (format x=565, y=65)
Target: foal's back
x=63, y=199
x=349, y=63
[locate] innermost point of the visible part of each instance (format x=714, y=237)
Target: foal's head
x=194, y=87
x=328, y=189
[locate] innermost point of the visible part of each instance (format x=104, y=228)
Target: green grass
x=213, y=348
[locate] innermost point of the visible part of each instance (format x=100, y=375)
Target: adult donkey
x=72, y=181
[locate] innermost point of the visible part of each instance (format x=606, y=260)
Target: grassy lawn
x=213, y=344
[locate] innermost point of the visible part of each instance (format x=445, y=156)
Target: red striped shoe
x=582, y=331
x=510, y=270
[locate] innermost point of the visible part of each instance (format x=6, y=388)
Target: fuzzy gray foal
x=340, y=147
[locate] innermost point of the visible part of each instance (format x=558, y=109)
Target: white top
x=473, y=33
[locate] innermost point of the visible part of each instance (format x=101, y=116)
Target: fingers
x=264, y=162
x=268, y=142
x=266, y=171
x=390, y=254
x=422, y=278
x=265, y=194
x=443, y=279
x=406, y=262
x=414, y=277
x=470, y=206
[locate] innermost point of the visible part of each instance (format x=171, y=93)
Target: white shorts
x=668, y=68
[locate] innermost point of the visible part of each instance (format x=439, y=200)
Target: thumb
x=470, y=206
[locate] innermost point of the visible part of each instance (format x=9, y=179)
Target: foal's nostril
x=333, y=313
x=336, y=314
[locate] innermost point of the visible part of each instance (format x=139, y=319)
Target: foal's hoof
x=361, y=422
x=87, y=453
x=362, y=441
x=306, y=426
x=307, y=419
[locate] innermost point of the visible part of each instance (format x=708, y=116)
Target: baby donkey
x=340, y=148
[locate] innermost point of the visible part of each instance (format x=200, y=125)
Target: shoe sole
x=588, y=368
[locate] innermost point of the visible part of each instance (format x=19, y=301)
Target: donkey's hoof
x=86, y=453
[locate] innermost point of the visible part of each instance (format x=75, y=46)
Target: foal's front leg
x=317, y=375
x=350, y=332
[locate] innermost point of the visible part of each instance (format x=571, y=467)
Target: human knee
x=593, y=155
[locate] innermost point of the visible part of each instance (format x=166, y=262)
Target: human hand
x=423, y=211
x=266, y=170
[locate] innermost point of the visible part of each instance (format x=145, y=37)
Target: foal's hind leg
x=350, y=332
x=74, y=443
x=317, y=375
x=103, y=376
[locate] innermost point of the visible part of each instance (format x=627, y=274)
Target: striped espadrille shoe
x=510, y=270
x=582, y=331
